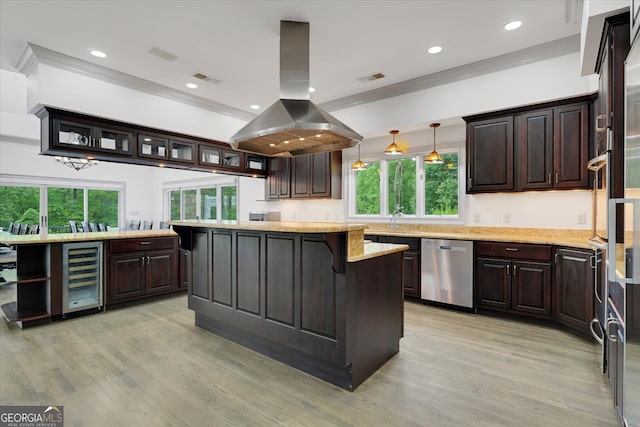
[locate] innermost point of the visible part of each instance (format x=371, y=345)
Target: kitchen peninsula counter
x=312, y=295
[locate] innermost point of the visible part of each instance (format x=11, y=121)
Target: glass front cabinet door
x=69, y=134
x=152, y=146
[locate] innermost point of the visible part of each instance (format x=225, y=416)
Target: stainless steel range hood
x=294, y=125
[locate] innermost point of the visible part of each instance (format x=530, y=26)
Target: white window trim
x=197, y=184
x=420, y=215
x=44, y=182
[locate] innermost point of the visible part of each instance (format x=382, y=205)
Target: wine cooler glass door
x=82, y=272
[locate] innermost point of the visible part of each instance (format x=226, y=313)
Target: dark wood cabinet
x=574, y=287
x=490, y=155
x=513, y=277
x=411, y=278
x=537, y=147
x=536, y=150
x=316, y=175
x=66, y=133
x=571, y=146
x=141, y=267
x=279, y=178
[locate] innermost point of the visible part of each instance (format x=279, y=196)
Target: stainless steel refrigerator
x=624, y=254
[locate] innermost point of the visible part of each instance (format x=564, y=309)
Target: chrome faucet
x=397, y=212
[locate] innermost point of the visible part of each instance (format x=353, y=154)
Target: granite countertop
x=374, y=249
x=284, y=226
x=13, y=239
x=548, y=236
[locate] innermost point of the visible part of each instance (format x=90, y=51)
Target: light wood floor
x=149, y=365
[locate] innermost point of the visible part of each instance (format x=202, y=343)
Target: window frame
x=53, y=182
x=218, y=183
x=385, y=215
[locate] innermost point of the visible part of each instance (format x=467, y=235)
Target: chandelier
x=76, y=164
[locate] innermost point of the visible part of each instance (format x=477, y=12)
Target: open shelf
x=12, y=313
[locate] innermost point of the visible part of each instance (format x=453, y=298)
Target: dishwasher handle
x=447, y=247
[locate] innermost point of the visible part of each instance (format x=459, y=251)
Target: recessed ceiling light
x=272, y=145
x=512, y=25
x=301, y=139
x=435, y=49
x=192, y=85
x=312, y=89
x=319, y=135
x=97, y=53
x=255, y=107
x=286, y=142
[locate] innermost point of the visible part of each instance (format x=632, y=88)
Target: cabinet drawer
x=135, y=245
x=514, y=250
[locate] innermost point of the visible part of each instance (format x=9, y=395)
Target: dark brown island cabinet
x=141, y=267
x=536, y=147
x=313, y=296
x=410, y=262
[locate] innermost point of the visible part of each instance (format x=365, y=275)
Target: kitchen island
x=312, y=295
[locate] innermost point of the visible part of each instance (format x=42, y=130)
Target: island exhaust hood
x=294, y=125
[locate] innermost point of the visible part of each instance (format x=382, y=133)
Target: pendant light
x=393, y=149
x=358, y=165
x=434, y=157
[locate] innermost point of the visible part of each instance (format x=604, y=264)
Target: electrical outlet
x=581, y=218
x=476, y=218
x=507, y=218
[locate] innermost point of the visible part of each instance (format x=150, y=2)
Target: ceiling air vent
x=206, y=78
x=162, y=54
x=372, y=77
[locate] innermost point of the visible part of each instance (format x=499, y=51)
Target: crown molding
x=518, y=58
x=65, y=62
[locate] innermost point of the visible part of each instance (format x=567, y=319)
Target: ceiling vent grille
x=206, y=78
x=162, y=54
x=372, y=77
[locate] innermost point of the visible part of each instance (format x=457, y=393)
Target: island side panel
x=375, y=315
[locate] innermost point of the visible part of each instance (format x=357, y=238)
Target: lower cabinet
x=574, y=285
x=513, y=277
x=410, y=262
x=141, y=267
x=615, y=360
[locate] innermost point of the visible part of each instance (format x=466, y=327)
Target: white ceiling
x=237, y=42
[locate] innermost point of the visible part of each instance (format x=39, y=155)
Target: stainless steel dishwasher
x=447, y=272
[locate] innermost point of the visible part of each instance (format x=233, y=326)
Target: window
x=407, y=186
x=367, y=190
x=214, y=202
x=57, y=205
x=441, y=186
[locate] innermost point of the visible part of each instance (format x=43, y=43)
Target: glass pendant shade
x=434, y=157
x=358, y=165
x=393, y=149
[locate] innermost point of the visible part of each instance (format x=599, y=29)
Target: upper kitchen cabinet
x=316, y=175
x=490, y=155
x=537, y=147
x=66, y=133
x=614, y=47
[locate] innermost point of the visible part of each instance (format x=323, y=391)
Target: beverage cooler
x=82, y=276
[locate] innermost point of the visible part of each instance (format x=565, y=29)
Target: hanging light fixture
x=76, y=164
x=393, y=149
x=434, y=157
x=358, y=165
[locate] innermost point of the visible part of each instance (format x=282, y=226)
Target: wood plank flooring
x=149, y=365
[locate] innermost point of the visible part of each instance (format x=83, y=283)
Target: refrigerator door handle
x=611, y=257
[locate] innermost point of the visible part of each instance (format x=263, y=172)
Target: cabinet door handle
x=549, y=178
x=142, y=260
x=556, y=259
x=508, y=270
x=592, y=261
x=148, y=260
x=511, y=249
x=515, y=270
x=145, y=243
x=556, y=177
